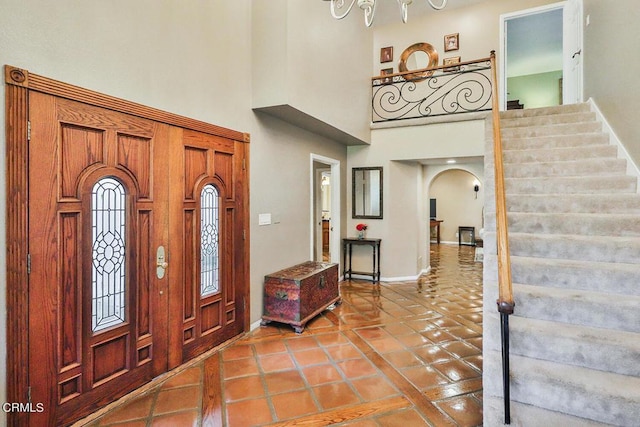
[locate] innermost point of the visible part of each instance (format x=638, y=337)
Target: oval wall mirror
x=416, y=57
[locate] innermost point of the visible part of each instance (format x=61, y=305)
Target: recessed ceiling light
x=451, y=161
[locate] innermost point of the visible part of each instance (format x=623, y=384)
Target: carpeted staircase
x=574, y=235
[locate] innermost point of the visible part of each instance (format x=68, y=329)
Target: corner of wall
x=632, y=167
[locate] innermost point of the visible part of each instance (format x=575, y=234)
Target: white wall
x=304, y=59
x=536, y=90
x=611, y=69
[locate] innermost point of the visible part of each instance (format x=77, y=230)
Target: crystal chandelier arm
x=338, y=5
x=444, y=3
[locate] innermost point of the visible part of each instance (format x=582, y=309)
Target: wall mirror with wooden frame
x=418, y=56
x=366, y=192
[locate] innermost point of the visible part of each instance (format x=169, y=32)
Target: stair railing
x=446, y=90
x=505, y=291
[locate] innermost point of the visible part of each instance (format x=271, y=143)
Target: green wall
x=536, y=90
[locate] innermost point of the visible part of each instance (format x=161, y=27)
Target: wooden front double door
x=137, y=258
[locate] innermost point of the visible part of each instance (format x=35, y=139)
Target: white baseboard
x=394, y=279
x=255, y=325
x=632, y=168
x=399, y=279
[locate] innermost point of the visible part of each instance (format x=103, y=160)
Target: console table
x=436, y=223
x=347, y=251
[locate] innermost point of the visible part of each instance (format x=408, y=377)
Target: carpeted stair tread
x=548, y=119
x=555, y=130
x=575, y=203
x=523, y=415
x=546, y=111
x=596, y=224
x=583, y=167
x=577, y=140
x=572, y=184
x=602, y=396
x=576, y=345
x=558, y=154
x=623, y=249
x=616, y=278
x=577, y=306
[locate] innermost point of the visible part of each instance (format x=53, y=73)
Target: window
x=108, y=300
x=209, y=238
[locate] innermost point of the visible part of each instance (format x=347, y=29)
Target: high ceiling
x=534, y=41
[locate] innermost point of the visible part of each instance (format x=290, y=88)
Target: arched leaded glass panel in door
x=209, y=239
x=108, y=226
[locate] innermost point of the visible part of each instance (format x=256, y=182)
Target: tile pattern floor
x=395, y=354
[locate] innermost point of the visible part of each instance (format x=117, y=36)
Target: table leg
x=373, y=272
x=378, y=271
x=350, y=260
x=344, y=261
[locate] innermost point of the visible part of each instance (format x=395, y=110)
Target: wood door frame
x=336, y=209
x=18, y=84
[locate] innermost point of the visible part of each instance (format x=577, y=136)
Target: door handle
x=161, y=263
x=576, y=54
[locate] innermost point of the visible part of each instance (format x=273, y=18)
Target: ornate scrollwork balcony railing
x=451, y=89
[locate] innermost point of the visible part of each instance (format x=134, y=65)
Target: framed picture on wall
x=451, y=42
x=450, y=61
x=386, y=72
x=386, y=54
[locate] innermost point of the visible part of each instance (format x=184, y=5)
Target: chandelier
x=339, y=10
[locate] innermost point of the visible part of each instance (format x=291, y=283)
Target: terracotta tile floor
x=395, y=354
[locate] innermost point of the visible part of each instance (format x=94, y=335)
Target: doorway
x=453, y=191
x=323, y=214
x=325, y=209
x=541, y=56
x=135, y=251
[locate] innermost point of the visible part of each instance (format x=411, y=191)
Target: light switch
x=264, y=219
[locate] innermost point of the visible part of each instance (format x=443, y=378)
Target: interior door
x=572, y=52
x=525, y=52
x=208, y=235
x=97, y=208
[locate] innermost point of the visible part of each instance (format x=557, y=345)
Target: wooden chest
x=297, y=294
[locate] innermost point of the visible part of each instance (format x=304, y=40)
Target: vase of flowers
x=362, y=230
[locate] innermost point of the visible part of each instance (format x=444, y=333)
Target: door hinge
x=28, y=263
x=244, y=164
x=29, y=394
x=29, y=131
x=244, y=234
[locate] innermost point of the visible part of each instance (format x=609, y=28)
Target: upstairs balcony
x=447, y=90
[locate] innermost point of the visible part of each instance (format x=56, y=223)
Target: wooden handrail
x=505, y=291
